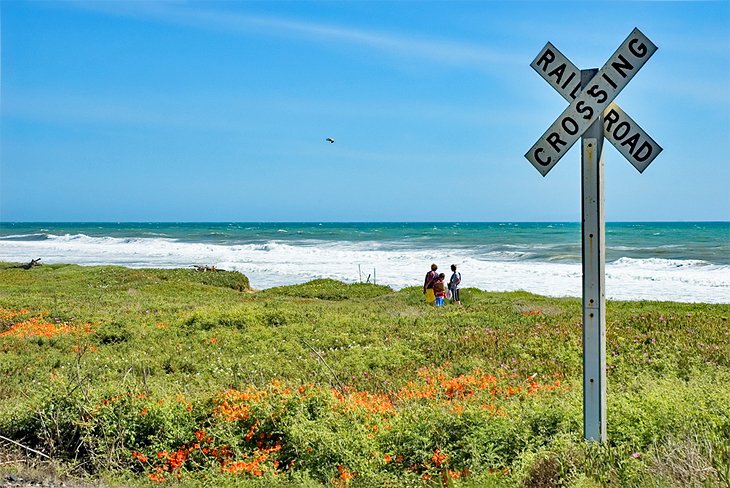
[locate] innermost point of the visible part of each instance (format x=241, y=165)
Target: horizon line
x=348, y=221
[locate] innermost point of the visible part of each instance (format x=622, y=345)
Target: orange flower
x=387, y=458
x=235, y=405
x=532, y=312
x=345, y=475
x=251, y=431
x=139, y=456
x=157, y=478
x=7, y=314
x=374, y=403
x=438, y=458
x=252, y=467
x=36, y=327
x=457, y=409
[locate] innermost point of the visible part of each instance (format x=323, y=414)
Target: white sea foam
x=24, y=236
x=276, y=263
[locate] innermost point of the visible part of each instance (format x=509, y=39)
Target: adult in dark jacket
x=431, y=278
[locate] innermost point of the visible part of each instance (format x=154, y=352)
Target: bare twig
x=145, y=372
x=25, y=447
x=79, y=354
x=125, y=374
x=341, y=386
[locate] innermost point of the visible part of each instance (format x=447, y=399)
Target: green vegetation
x=183, y=377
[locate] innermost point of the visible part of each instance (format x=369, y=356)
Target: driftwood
x=28, y=265
x=204, y=269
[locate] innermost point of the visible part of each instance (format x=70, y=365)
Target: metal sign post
x=594, y=296
x=591, y=115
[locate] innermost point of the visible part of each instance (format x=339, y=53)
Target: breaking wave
x=395, y=263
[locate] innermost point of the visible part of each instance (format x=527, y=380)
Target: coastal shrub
x=209, y=318
x=224, y=279
x=52, y=426
x=328, y=289
x=327, y=383
x=689, y=460
x=559, y=463
x=659, y=408
x=99, y=432
x=277, y=318
x=113, y=333
x=176, y=364
x=219, y=278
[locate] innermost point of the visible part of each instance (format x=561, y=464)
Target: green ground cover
x=140, y=377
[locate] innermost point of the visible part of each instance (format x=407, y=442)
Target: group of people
x=436, y=291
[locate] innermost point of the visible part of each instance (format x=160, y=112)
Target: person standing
x=454, y=283
x=431, y=278
x=439, y=290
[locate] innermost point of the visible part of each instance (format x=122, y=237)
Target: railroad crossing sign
x=588, y=105
x=591, y=115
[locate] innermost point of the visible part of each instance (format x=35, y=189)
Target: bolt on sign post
x=592, y=116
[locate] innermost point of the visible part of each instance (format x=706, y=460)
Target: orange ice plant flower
x=157, y=478
x=8, y=314
x=235, y=405
x=36, y=327
x=139, y=456
x=438, y=458
x=345, y=475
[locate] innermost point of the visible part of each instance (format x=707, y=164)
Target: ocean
x=685, y=261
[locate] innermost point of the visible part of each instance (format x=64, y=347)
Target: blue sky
x=218, y=111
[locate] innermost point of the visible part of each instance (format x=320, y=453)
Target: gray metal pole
x=594, y=297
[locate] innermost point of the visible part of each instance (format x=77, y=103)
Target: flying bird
x=330, y=140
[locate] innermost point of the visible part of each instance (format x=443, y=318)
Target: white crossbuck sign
x=587, y=105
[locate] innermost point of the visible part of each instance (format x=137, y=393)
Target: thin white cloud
x=438, y=50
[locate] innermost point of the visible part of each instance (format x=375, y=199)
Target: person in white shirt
x=454, y=283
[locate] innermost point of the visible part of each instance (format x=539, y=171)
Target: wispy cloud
x=446, y=51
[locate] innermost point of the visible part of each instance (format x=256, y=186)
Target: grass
x=139, y=377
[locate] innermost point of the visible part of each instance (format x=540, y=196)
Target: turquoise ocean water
x=687, y=261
